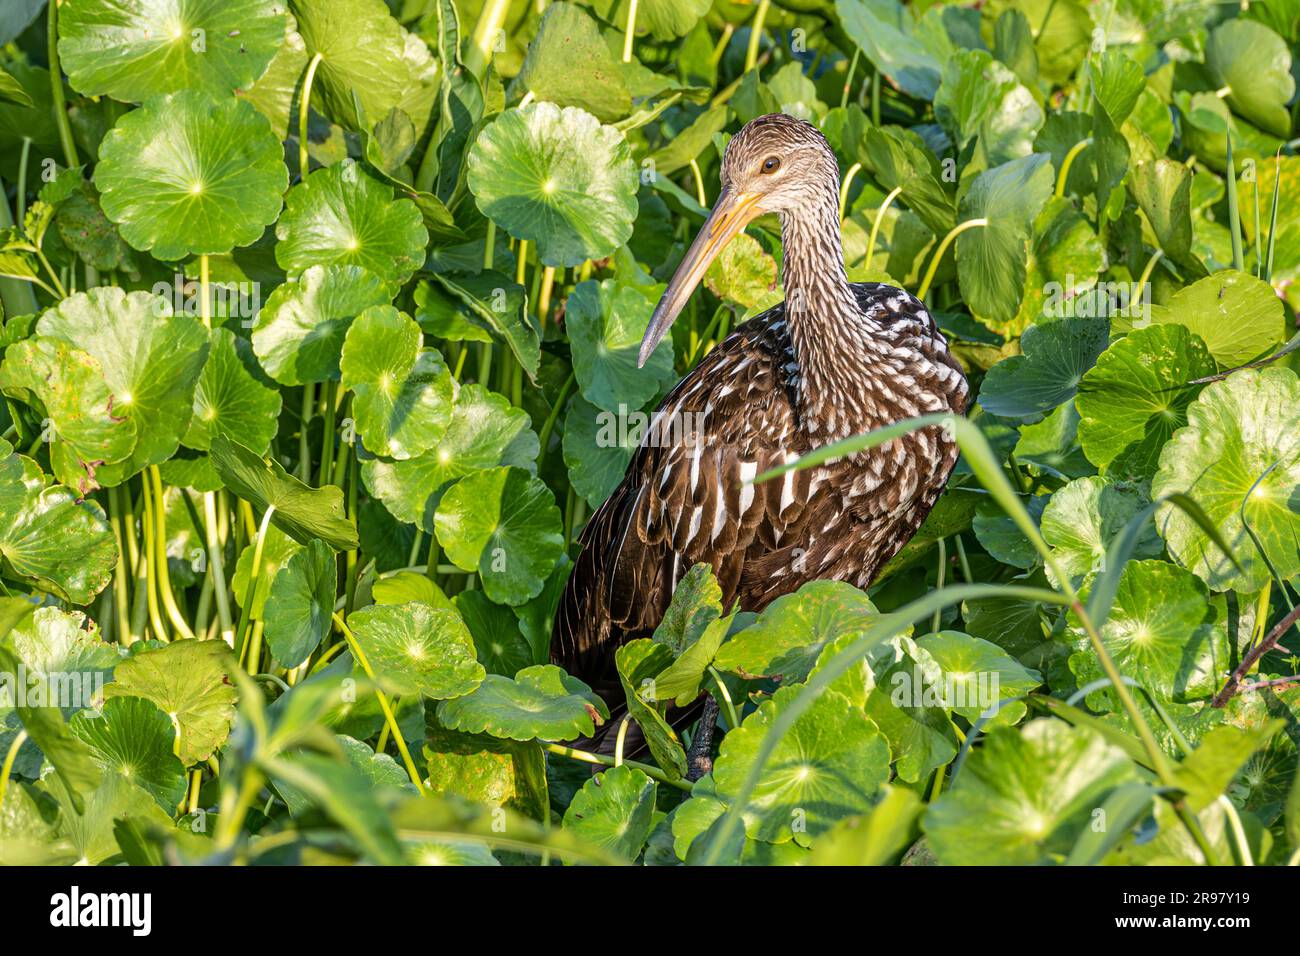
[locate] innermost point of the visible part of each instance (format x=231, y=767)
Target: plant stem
x=164, y=572
x=844, y=189
x=631, y=32
x=59, y=104
x=14, y=746
x=329, y=402
x=215, y=567
x=489, y=25
x=875, y=226
x=150, y=559
x=394, y=729
x=304, y=108
x=250, y=592
x=1075, y=150
x=943, y=247
x=544, y=436
x=756, y=34
x=848, y=79
x=120, y=587
x=601, y=760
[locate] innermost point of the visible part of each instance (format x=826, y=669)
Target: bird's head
x=776, y=163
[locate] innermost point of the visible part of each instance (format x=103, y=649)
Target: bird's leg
x=699, y=759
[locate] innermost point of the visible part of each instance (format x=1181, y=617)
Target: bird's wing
x=684, y=499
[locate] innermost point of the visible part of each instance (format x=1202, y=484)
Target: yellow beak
x=731, y=213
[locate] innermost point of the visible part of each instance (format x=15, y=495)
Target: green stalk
x=360, y=657
x=943, y=247
x=544, y=436
x=329, y=401
x=756, y=34
x=848, y=80
x=631, y=32
x=21, y=214
x=489, y=25
x=164, y=572
x=1070, y=157
x=353, y=563
x=304, y=442
x=59, y=104
x=150, y=560
x=7, y=768
x=216, y=569
x=844, y=189
x=304, y=109
x=600, y=760
x=875, y=226
x=250, y=592
x=17, y=295
x=1234, y=214
x=123, y=619
x=1272, y=226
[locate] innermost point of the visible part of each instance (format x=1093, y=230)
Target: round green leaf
x=1137, y=394
x=1254, y=64
x=277, y=549
x=300, y=330
x=606, y=322
x=189, y=681
x=498, y=643
x=132, y=51
x=150, y=359
x=1055, y=357
x=614, y=810
x=558, y=178
x=504, y=524
x=189, y=175
x=1239, y=316
x=485, y=431
x=541, y=702
x=1157, y=633
x=131, y=738
x=418, y=649
x=1239, y=431
x=367, y=61
x=300, y=604
x=596, y=451
x=787, y=638
x=402, y=394
x=233, y=397
x=342, y=215
x=1084, y=518
x=828, y=766
x=970, y=666
x=51, y=536
x=909, y=705
x=1025, y=795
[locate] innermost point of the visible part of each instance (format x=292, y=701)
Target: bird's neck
x=834, y=342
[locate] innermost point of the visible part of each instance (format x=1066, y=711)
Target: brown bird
x=835, y=359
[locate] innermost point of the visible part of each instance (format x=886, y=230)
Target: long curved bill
x=731, y=213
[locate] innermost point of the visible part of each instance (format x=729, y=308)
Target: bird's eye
x=771, y=164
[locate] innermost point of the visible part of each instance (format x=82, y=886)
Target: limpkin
x=834, y=359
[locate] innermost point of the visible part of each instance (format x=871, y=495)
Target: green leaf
x=829, y=766
x=1054, y=358
x=992, y=259
x=498, y=643
x=485, y=769
x=639, y=662
x=876, y=838
x=300, y=603
x=344, y=216
x=1084, y=519
x=498, y=305
x=980, y=98
x=569, y=64
x=1254, y=64
x=277, y=549
x=12, y=91
x=233, y=397
x=301, y=511
x=696, y=603
x=1239, y=316
x=485, y=431
x=367, y=60
x=788, y=636
x=614, y=810
x=189, y=681
x=1157, y=634
x=683, y=678
x=884, y=31
x=557, y=178
x=132, y=739
x=596, y=451
x=132, y=51
x=504, y=524
x=1025, y=796
x=274, y=95
x=1137, y=395
x=1163, y=189
x=606, y=322
x=972, y=668
x=540, y=702
x=402, y=394
x=418, y=649
x=150, y=361
x=1239, y=431
x=300, y=330
x=189, y=175
x=49, y=535
x=907, y=703
x=1207, y=771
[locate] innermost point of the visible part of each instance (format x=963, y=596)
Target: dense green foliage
x=319, y=348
